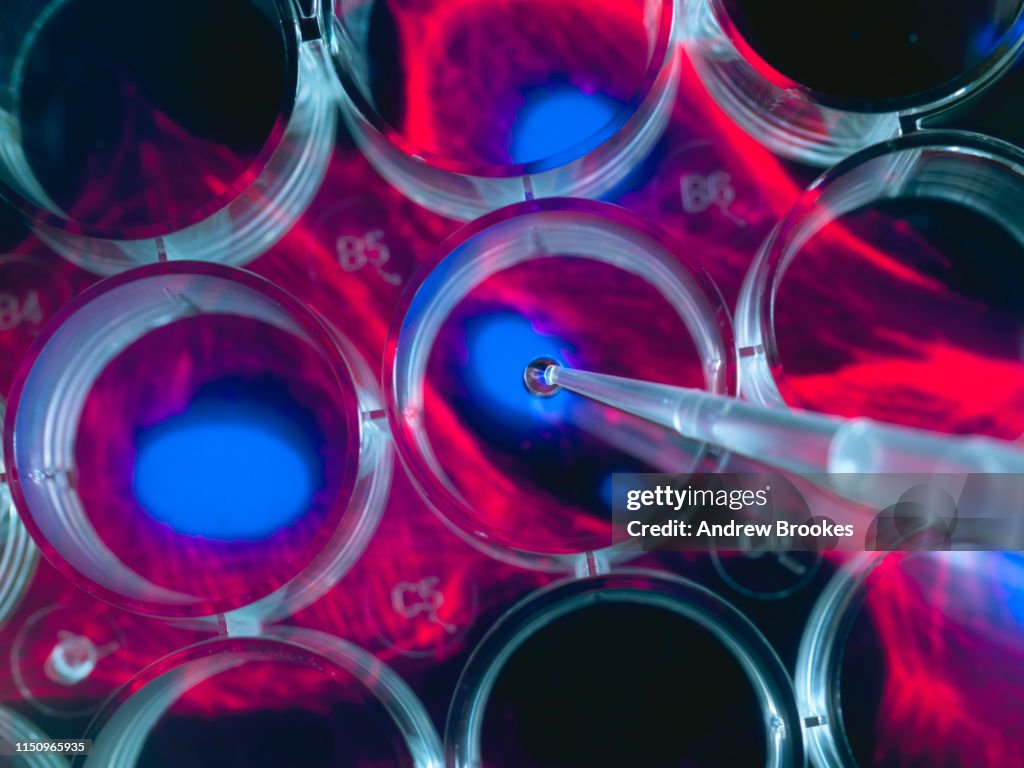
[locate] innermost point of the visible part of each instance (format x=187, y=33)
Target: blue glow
x=499, y=348
x=607, y=489
x=557, y=118
x=987, y=38
x=226, y=470
x=1013, y=580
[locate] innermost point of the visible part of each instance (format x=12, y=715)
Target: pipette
x=850, y=453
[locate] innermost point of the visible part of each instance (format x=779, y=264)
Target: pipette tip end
x=535, y=377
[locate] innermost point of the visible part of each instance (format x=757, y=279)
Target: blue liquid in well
x=226, y=470
x=557, y=118
x=499, y=348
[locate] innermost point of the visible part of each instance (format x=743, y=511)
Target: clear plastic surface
x=18, y=555
x=930, y=223
x=944, y=624
x=526, y=478
x=558, y=98
x=14, y=727
x=66, y=660
x=314, y=699
x=664, y=595
x=817, y=89
x=840, y=449
x=174, y=387
x=120, y=158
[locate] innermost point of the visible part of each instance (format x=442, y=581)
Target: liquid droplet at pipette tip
x=537, y=377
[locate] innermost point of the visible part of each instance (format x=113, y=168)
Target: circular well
x=155, y=391
x=550, y=715
x=471, y=106
x=587, y=284
x=889, y=290
x=286, y=696
x=915, y=658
